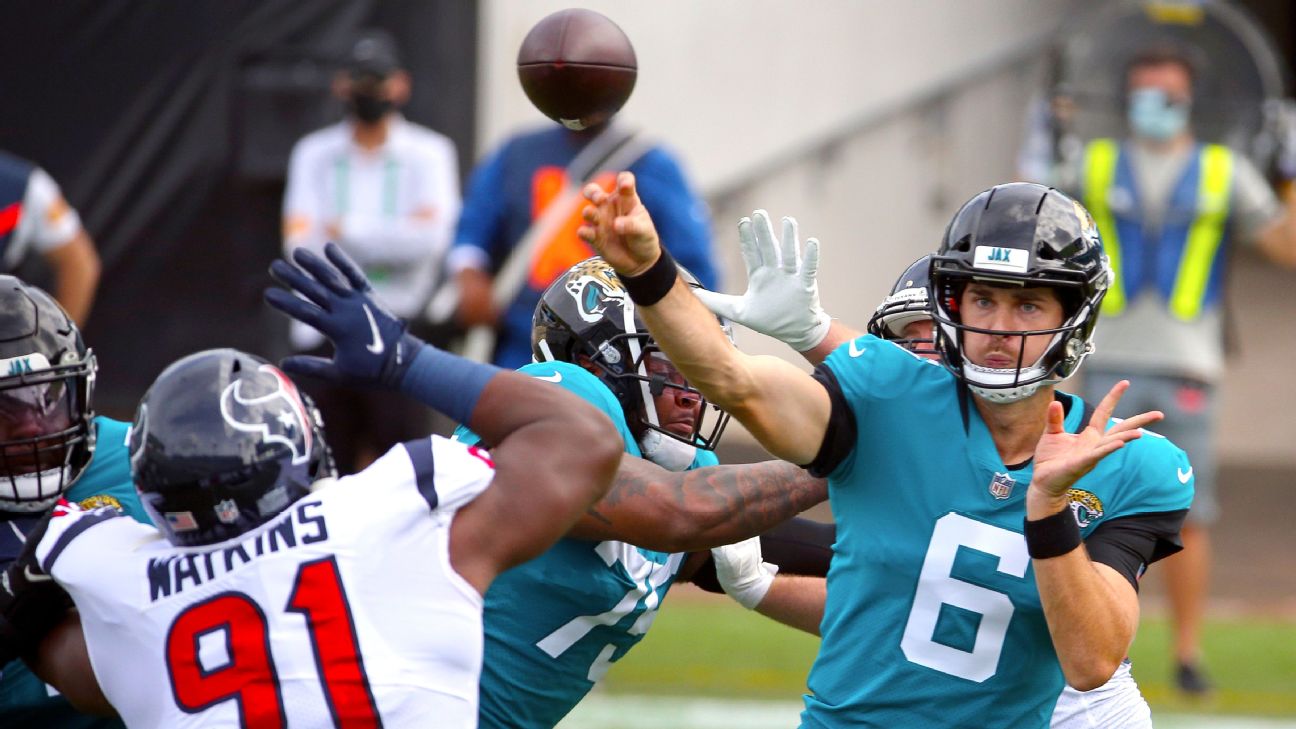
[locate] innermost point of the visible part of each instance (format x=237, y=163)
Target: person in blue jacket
x=529, y=182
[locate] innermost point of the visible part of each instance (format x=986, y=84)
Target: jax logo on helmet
x=279, y=416
x=1000, y=258
x=593, y=284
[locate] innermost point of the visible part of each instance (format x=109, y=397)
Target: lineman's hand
x=782, y=297
x=619, y=228
x=371, y=345
x=742, y=573
x=1062, y=458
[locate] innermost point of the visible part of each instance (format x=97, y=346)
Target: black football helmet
x=908, y=302
x=1020, y=234
x=222, y=442
x=47, y=378
x=587, y=312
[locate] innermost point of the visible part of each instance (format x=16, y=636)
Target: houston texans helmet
x=907, y=303
x=1020, y=234
x=47, y=378
x=586, y=317
x=222, y=442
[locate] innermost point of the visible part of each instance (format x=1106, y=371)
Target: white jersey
x=342, y=611
x=47, y=221
x=392, y=209
x=1117, y=704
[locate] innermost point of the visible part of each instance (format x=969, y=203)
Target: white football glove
x=782, y=297
x=742, y=573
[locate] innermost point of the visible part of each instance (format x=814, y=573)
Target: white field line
x=612, y=711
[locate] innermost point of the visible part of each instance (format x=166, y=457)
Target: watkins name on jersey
x=171, y=575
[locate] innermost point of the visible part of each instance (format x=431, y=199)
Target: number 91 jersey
x=342, y=611
x=933, y=616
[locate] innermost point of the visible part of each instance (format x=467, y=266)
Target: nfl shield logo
x=1001, y=486
x=227, y=511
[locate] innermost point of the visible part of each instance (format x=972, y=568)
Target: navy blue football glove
x=371, y=346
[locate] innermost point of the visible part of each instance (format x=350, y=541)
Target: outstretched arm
x=76, y=268
x=666, y=511
x=794, y=600
x=555, y=454
x=1092, y=611
x=784, y=408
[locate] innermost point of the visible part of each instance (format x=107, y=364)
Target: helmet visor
x=39, y=429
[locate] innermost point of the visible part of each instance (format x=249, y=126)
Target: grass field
x=701, y=648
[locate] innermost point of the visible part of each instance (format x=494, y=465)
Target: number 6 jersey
x=342, y=611
x=933, y=617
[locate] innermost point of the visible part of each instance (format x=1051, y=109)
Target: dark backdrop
x=168, y=125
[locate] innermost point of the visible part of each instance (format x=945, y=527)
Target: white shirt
x=345, y=602
x=392, y=209
x=47, y=221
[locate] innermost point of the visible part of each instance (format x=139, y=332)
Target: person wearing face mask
x=387, y=191
x=1171, y=210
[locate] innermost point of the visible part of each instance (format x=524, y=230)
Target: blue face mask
x=1152, y=115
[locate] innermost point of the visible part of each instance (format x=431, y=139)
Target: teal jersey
x=933, y=617
x=555, y=625
x=106, y=481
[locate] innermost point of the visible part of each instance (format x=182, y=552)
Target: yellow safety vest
x=1204, y=237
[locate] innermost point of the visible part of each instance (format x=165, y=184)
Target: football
x=577, y=67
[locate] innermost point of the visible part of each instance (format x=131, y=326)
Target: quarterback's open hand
x=1062, y=458
x=618, y=227
x=371, y=345
x=782, y=297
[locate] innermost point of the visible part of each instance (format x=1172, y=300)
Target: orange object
x=563, y=250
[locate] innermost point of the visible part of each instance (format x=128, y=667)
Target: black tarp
x=168, y=124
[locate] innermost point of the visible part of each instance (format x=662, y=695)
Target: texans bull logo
x=279, y=416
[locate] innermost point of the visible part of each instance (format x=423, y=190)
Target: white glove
x=782, y=297
x=742, y=573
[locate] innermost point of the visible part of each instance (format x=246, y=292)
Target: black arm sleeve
x=798, y=546
x=1131, y=543
x=840, y=436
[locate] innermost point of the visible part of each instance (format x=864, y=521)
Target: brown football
x=577, y=67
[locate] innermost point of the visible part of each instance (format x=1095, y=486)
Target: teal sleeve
x=1161, y=479
x=862, y=367
x=580, y=382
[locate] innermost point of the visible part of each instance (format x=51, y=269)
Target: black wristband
x=652, y=285
x=1052, y=536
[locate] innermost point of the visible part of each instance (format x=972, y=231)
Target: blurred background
x=169, y=127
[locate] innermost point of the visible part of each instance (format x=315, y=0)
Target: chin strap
x=670, y=454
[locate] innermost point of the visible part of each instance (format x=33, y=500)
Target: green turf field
x=709, y=647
